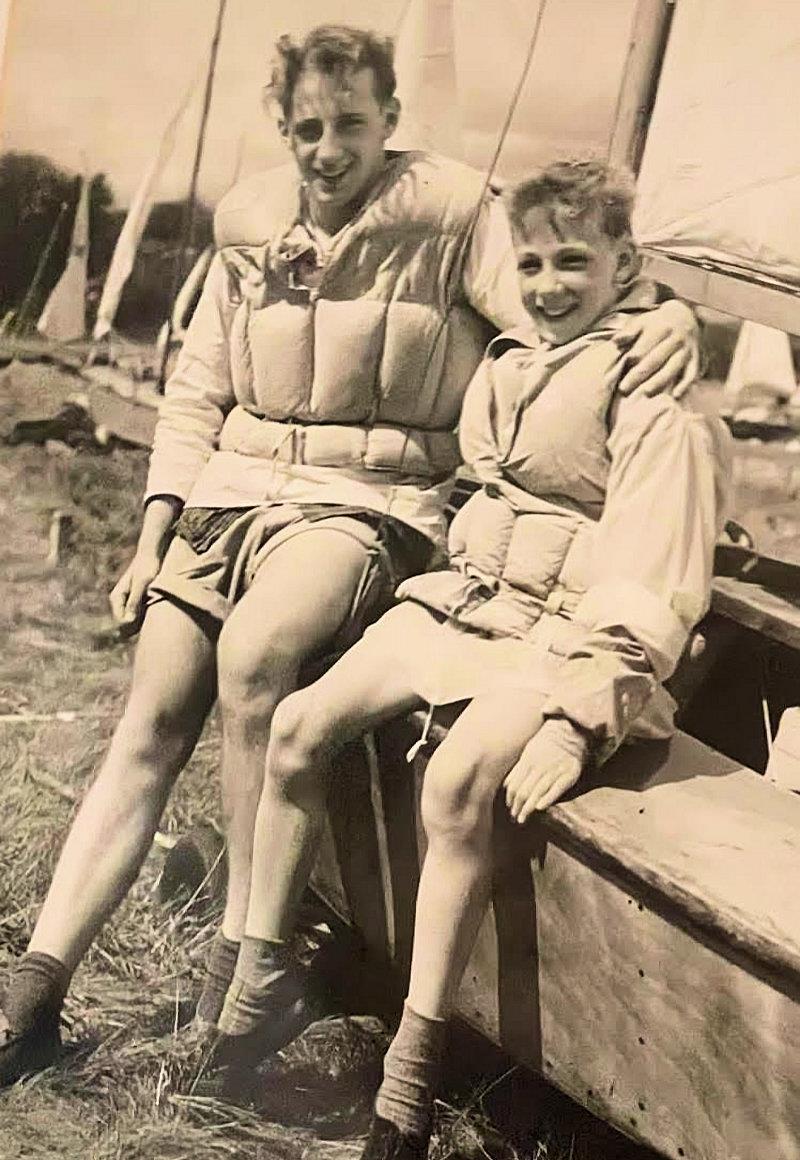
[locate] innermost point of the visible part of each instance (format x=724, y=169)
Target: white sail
x=720, y=178
x=427, y=85
x=63, y=317
x=762, y=358
x=135, y=222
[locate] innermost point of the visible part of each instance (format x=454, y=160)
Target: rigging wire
x=19, y=322
x=191, y=201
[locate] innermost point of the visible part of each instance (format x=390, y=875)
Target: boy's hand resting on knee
x=549, y=765
x=663, y=350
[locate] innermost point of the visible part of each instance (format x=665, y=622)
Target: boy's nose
x=547, y=283
x=329, y=147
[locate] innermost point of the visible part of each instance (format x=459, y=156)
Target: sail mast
x=191, y=201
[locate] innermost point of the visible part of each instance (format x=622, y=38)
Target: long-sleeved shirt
x=591, y=540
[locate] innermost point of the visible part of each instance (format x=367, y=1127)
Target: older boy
x=572, y=588
x=300, y=467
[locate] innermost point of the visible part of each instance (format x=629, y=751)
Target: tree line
x=38, y=200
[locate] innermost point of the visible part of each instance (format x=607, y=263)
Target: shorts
x=217, y=553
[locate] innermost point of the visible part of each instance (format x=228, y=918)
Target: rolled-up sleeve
x=198, y=395
x=652, y=565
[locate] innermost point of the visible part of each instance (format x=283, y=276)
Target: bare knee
x=457, y=800
x=252, y=675
x=300, y=746
x=152, y=743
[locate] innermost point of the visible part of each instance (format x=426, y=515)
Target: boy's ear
x=283, y=128
x=391, y=116
x=629, y=262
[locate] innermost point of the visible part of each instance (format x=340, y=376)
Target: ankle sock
x=268, y=980
x=411, y=1072
x=220, y=967
x=35, y=992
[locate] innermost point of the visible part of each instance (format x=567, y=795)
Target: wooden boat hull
x=643, y=946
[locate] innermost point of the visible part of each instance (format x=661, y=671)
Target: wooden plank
x=692, y=826
x=757, y=608
x=771, y=303
x=349, y=872
x=655, y=1030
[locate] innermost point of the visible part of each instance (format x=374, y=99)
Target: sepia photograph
x=400, y=590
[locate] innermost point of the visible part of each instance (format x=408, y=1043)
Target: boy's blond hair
x=575, y=189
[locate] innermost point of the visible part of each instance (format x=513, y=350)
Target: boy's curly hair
x=332, y=49
x=576, y=188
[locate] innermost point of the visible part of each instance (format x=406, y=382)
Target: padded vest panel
x=387, y=337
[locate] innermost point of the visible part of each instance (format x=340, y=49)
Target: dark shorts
x=216, y=555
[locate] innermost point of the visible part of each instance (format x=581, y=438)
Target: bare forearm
x=159, y=516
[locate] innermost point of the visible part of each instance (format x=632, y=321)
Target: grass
x=131, y=1086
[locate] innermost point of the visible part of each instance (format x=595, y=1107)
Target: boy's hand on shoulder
x=549, y=765
x=663, y=350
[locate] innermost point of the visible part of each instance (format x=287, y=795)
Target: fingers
x=133, y=605
x=530, y=788
x=659, y=370
x=547, y=797
x=627, y=335
x=518, y=774
x=118, y=597
x=127, y=599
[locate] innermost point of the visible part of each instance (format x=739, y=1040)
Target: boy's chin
x=558, y=334
x=558, y=331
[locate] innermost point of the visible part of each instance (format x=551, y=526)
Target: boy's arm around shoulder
x=663, y=354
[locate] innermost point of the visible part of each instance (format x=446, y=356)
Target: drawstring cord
x=423, y=740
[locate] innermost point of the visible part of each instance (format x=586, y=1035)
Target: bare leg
x=461, y=784
x=172, y=691
x=300, y=598
x=359, y=692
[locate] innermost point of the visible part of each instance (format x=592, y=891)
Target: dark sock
x=268, y=979
x=411, y=1073
x=219, y=976
x=35, y=993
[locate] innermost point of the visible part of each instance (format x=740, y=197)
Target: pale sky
x=99, y=79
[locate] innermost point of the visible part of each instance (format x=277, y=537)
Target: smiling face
x=337, y=130
x=570, y=271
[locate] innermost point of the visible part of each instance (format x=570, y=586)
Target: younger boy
x=576, y=574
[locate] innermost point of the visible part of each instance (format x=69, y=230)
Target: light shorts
x=209, y=572
x=447, y=663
